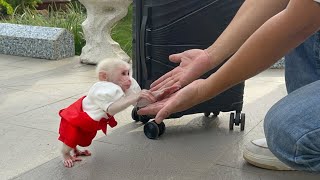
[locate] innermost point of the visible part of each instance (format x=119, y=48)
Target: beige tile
x=7, y=60
x=16, y=102
x=23, y=149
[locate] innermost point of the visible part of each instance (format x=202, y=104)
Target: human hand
x=177, y=102
x=193, y=63
x=145, y=98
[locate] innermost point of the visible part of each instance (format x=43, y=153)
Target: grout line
x=29, y=127
x=48, y=104
x=23, y=173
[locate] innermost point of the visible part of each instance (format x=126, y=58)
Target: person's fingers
x=172, y=89
x=161, y=116
x=176, y=58
x=164, y=84
x=163, y=93
x=165, y=112
x=151, y=109
x=165, y=78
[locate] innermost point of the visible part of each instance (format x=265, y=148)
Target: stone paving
x=32, y=91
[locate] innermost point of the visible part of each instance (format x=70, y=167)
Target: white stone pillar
x=101, y=16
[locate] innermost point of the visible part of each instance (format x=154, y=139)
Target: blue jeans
x=292, y=125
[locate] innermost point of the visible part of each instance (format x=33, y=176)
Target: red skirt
x=77, y=128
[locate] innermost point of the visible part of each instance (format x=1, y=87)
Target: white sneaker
x=258, y=154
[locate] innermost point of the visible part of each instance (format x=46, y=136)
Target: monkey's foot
x=77, y=153
x=68, y=160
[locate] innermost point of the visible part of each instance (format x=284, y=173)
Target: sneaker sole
x=265, y=162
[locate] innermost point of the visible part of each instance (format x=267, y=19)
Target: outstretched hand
x=193, y=63
x=177, y=102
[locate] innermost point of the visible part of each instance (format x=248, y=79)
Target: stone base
x=36, y=41
x=278, y=65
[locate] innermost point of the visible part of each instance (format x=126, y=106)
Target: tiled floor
x=194, y=147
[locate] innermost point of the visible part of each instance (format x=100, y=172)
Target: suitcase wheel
x=216, y=113
x=134, y=114
x=238, y=118
x=207, y=114
x=243, y=121
x=144, y=119
x=162, y=128
x=231, y=122
x=153, y=130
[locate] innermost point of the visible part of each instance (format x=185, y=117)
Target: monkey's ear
x=103, y=76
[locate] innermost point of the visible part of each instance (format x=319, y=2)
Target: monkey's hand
x=130, y=99
x=145, y=99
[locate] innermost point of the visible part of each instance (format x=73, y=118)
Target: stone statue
x=101, y=16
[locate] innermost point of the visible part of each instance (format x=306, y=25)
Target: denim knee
x=307, y=150
x=292, y=128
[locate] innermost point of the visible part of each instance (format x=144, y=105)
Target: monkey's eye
x=125, y=73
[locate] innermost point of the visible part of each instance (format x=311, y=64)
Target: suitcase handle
x=142, y=42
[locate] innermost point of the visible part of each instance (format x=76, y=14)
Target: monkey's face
x=121, y=77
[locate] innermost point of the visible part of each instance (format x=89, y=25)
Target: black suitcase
x=164, y=27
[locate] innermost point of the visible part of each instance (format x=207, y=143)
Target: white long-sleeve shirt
x=102, y=94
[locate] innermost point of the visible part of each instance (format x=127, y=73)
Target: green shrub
x=69, y=19
x=122, y=32
x=5, y=8
x=20, y=5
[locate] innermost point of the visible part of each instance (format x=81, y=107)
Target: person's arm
x=251, y=15
x=276, y=37
x=195, y=62
x=270, y=42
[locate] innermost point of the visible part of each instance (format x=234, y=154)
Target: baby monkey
x=114, y=92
